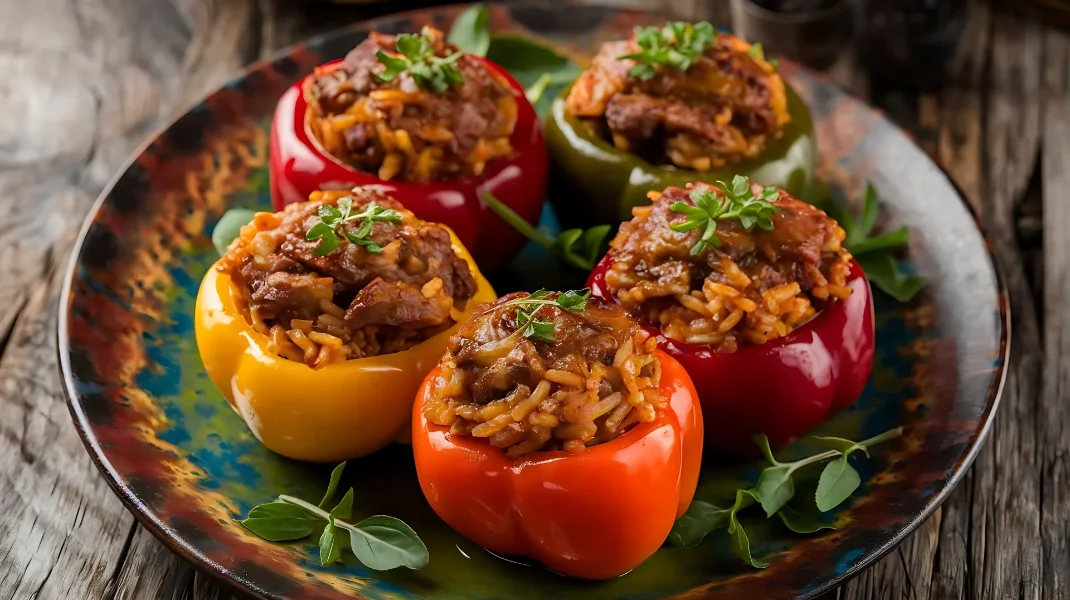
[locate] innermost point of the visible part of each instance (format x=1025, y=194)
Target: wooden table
x=84, y=82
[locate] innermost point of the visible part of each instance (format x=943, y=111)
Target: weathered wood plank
x=1053, y=413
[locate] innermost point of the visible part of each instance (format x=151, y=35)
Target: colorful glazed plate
x=187, y=467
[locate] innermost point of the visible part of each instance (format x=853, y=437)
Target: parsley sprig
x=876, y=252
x=379, y=542
x=527, y=322
x=416, y=56
x=335, y=224
x=580, y=248
x=773, y=491
x=677, y=45
x=736, y=202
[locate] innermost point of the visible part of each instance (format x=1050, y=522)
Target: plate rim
x=150, y=520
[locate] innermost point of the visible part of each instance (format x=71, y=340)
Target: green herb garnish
x=580, y=248
x=379, y=542
x=677, y=45
x=418, y=58
x=757, y=52
x=229, y=227
x=471, y=30
x=736, y=202
x=335, y=224
x=774, y=489
x=530, y=326
x=876, y=253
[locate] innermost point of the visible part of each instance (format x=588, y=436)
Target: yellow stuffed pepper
x=320, y=321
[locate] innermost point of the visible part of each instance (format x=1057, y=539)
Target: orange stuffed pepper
x=553, y=428
x=321, y=320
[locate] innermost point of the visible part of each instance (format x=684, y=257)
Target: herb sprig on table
x=774, y=489
x=736, y=202
x=336, y=223
x=580, y=248
x=530, y=326
x=876, y=252
x=677, y=45
x=417, y=57
x=379, y=542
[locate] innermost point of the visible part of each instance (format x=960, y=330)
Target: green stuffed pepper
x=667, y=107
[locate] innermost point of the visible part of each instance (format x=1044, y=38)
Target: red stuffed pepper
x=427, y=124
x=553, y=428
x=754, y=293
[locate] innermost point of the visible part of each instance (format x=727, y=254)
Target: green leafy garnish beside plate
x=773, y=491
x=379, y=542
x=580, y=248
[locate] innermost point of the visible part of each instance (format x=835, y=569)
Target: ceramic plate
x=187, y=467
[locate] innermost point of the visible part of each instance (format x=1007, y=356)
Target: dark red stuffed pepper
x=429, y=125
x=753, y=292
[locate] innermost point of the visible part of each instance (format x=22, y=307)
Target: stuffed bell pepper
x=554, y=428
x=753, y=292
x=670, y=106
x=321, y=320
x=430, y=125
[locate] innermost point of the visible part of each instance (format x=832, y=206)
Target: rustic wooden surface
x=86, y=81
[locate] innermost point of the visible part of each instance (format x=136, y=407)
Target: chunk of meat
x=397, y=303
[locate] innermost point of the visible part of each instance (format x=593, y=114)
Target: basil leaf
x=330, y=545
x=884, y=272
x=775, y=488
x=763, y=445
x=700, y=520
x=332, y=485
x=886, y=241
x=383, y=543
x=593, y=239
x=800, y=523
x=280, y=522
x=741, y=547
x=535, y=91
x=870, y=209
x=471, y=30
x=838, y=481
x=529, y=61
x=229, y=227
x=344, y=510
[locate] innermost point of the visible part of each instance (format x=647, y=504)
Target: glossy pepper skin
x=299, y=166
x=593, y=182
x=594, y=515
x=341, y=411
x=784, y=387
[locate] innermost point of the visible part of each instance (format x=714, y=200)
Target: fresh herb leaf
x=383, y=542
x=838, y=481
x=417, y=57
x=756, y=52
x=537, y=89
x=842, y=445
x=578, y=247
x=700, y=520
x=533, y=65
x=330, y=545
x=876, y=254
x=527, y=323
x=336, y=475
x=799, y=522
x=734, y=202
x=676, y=45
x=380, y=542
x=280, y=522
x=229, y=227
x=740, y=541
x=336, y=223
x=775, y=488
x=471, y=30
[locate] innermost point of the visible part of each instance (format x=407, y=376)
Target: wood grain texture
x=107, y=72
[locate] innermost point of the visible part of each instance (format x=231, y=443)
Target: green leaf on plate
x=775, y=488
x=843, y=445
x=229, y=227
x=383, y=542
x=344, y=510
x=740, y=541
x=470, y=30
x=280, y=522
x=701, y=519
x=884, y=272
x=838, y=481
x=332, y=485
x=529, y=61
x=330, y=545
